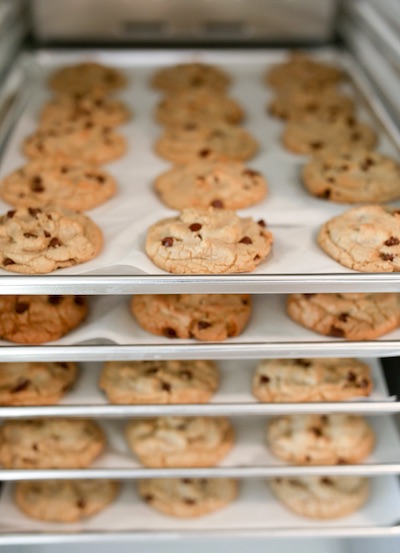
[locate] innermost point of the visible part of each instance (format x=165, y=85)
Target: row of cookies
x=186, y=382
x=184, y=442
x=45, y=229
x=344, y=168
x=73, y=500
x=206, y=317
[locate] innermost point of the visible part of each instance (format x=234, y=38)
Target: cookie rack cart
x=122, y=279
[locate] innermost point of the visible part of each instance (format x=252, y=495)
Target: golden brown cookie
x=180, y=441
x=211, y=241
x=38, y=319
x=188, y=497
x=37, y=240
x=64, y=500
x=209, y=317
x=301, y=68
x=35, y=383
x=216, y=183
x=55, y=181
x=86, y=77
x=303, y=380
x=294, y=103
x=192, y=75
x=141, y=382
x=50, y=443
x=351, y=316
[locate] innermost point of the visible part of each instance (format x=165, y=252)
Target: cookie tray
x=297, y=263
x=110, y=332
x=249, y=457
x=233, y=398
x=255, y=513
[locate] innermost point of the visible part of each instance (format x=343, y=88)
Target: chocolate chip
x=203, y=324
x=204, y=153
x=21, y=307
x=8, y=261
x=63, y=365
x=264, y=379
x=366, y=164
x=341, y=461
x=326, y=194
x=186, y=375
x=251, y=173
x=47, y=234
x=387, y=256
x=167, y=241
x=356, y=136
x=169, y=332
x=317, y=432
x=308, y=296
x=256, y=257
x=90, y=125
x=392, y=241
x=317, y=145
x=187, y=480
x=327, y=481
x=20, y=386
x=165, y=386
x=308, y=458
x=55, y=300
x=336, y=332
x=148, y=498
x=351, y=121
x=262, y=223
x=79, y=300
x=217, y=203
x=11, y=213
x=246, y=240
x=195, y=227
x=64, y=170
x=343, y=317
x=100, y=179
x=81, y=504
x=151, y=372
x=55, y=243
x=332, y=180
x=37, y=185
x=189, y=501
x=351, y=377
x=30, y=235
x=33, y=211
x=303, y=363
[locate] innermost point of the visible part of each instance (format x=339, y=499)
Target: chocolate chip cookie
x=312, y=135
x=37, y=240
x=198, y=105
x=141, y=382
x=351, y=316
x=50, y=443
x=86, y=77
x=365, y=239
x=35, y=383
x=64, y=500
x=209, y=317
x=188, y=497
x=56, y=181
x=215, y=183
x=107, y=112
x=211, y=241
x=180, y=441
x=192, y=75
x=353, y=177
x=321, y=497
x=301, y=68
x=38, y=319
x=192, y=141
x=82, y=140
x=303, y=380
x=294, y=103
x=320, y=439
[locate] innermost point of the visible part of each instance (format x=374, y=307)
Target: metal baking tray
x=256, y=513
x=249, y=458
x=111, y=333
x=291, y=213
x=233, y=398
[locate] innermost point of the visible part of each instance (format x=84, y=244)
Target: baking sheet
x=292, y=215
x=256, y=508
x=235, y=384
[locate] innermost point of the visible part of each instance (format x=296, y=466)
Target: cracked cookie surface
x=209, y=317
x=180, y=441
x=303, y=380
x=201, y=184
x=141, y=382
x=211, y=241
x=188, y=497
x=351, y=316
x=365, y=239
x=41, y=240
